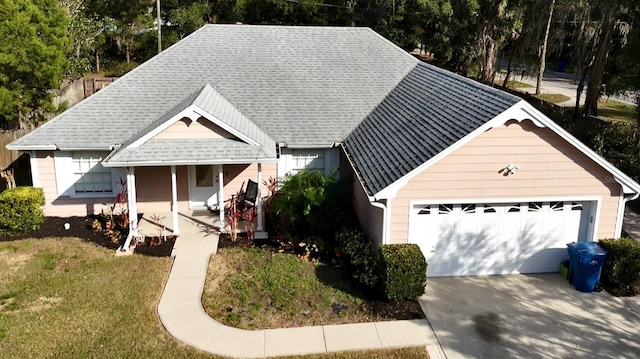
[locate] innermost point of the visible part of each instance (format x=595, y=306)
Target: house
x=478, y=178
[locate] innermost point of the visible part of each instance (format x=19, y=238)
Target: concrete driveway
x=529, y=316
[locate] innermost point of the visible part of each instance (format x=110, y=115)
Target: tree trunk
x=486, y=44
x=543, y=53
x=601, y=54
x=97, y=61
x=579, y=93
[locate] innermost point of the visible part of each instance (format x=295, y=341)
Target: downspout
x=622, y=205
x=377, y=204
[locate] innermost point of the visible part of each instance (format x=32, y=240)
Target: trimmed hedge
x=362, y=256
x=403, y=271
x=20, y=210
x=621, y=270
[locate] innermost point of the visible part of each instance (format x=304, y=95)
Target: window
x=204, y=176
x=556, y=206
x=307, y=160
x=576, y=206
x=424, y=209
x=535, y=206
x=91, y=176
x=514, y=208
x=489, y=209
x=445, y=209
x=468, y=208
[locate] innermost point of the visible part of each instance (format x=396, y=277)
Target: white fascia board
x=31, y=147
x=193, y=113
x=521, y=111
x=189, y=163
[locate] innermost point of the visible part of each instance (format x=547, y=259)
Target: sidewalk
x=182, y=315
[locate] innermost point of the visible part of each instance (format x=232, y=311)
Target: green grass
x=517, y=84
x=279, y=290
x=69, y=298
x=553, y=97
x=616, y=110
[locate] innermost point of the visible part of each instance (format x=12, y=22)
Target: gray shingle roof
x=157, y=151
x=304, y=86
x=213, y=104
x=430, y=110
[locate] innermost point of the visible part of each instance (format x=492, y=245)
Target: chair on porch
x=248, y=197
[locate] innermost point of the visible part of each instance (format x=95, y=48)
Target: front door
x=203, y=186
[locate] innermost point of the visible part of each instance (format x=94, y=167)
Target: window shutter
x=64, y=173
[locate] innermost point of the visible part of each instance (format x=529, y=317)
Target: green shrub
x=621, y=270
x=403, y=271
x=308, y=205
x=361, y=254
x=20, y=210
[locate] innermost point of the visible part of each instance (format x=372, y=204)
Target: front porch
x=202, y=222
x=160, y=198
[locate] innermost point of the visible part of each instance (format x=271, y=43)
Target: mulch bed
x=401, y=310
x=80, y=227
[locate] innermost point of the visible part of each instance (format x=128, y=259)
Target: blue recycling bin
x=585, y=264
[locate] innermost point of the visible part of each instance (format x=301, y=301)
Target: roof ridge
x=235, y=106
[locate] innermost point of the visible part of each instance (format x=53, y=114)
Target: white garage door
x=497, y=238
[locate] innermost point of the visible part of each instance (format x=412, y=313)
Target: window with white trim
x=307, y=160
x=91, y=176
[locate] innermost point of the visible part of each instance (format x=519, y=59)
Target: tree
x=86, y=34
x=32, y=58
x=543, y=52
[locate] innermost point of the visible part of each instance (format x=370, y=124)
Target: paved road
x=557, y=83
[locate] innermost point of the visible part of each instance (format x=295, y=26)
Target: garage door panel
x=484, y=239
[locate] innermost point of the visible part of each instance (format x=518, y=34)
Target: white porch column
x=133, y=211
x=133, y=199
x=221, y=196
x=259, y=199
x=174, y=201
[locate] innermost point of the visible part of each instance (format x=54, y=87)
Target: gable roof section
x=304, y=86
x=207, y=103
x=429, y=111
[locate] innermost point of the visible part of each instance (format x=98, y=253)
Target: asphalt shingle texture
x=430, y=110
x=304, y=86
x=189, y=150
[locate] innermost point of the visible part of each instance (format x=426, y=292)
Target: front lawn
x=254, y=288
x=64, y=297
x=552, y=97
x=69, y=298
x=616, y=110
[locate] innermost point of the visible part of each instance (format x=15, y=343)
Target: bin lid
x=586, y=248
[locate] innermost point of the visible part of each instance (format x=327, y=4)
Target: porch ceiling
x=189, y=151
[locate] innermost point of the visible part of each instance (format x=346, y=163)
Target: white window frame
x=291, y=160
x=68, y=175
x=88, y=171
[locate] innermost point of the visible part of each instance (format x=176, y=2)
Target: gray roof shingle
x=189, y=150
x=304, y=86
x=430, y=110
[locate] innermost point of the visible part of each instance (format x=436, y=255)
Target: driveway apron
x=529, y=316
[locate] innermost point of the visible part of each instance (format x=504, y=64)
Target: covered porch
x=160, y=198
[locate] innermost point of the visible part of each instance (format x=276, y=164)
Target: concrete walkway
x=180, y=310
